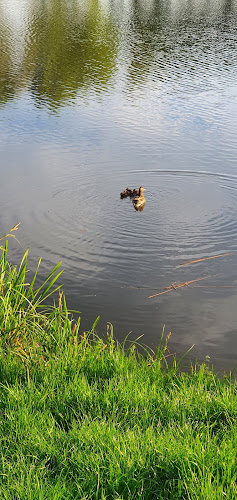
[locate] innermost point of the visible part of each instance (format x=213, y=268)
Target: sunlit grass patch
x=84, y=417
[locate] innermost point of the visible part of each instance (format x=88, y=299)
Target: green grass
x=94, y=419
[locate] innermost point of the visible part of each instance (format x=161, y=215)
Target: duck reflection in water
x=139, y=208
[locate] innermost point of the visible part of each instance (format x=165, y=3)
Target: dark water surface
x=96, y=96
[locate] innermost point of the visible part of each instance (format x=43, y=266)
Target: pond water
x=100, y=95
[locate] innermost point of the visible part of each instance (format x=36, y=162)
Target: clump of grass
x=24, y=320
x=88, y=418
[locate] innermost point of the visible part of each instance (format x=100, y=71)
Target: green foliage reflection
x=65, y=48
x=54, y=48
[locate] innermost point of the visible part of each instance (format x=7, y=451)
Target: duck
x=139, y=200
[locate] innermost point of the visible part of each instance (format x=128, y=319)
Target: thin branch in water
x=173, y=286
x=179, y=285
x=205, y=258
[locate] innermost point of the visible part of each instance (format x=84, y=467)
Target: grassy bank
x=90, y=419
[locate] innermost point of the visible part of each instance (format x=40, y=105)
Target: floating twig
x=179, y=285
x=205, y=258
x=173, y=286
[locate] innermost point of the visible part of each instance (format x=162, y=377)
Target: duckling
x=140, y=200
x=127, y=192
x=135, y=192
x=123, y=194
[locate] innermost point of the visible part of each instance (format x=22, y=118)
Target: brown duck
x=139, y=200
